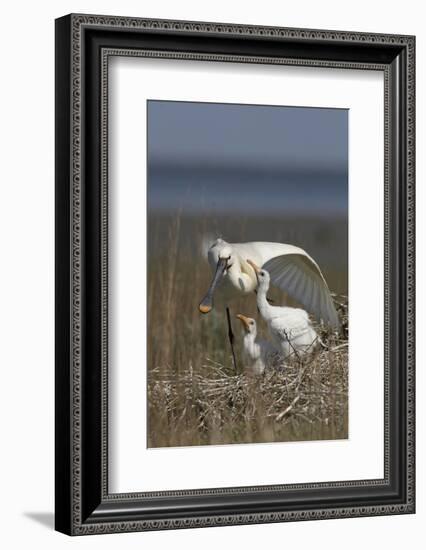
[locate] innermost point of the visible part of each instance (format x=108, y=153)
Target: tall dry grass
x=195, y=397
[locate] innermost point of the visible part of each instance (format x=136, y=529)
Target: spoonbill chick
x=290, y=328
x=260, y=353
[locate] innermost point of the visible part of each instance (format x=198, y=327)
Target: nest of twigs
x=305, y=398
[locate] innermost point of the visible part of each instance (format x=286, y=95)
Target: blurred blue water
x=205, y=157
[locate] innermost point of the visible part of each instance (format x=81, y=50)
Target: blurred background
x=243, y=173
x=281, y=173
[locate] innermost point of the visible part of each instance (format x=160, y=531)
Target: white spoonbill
x=291, y=269
x=289, y=327
x=260, y=353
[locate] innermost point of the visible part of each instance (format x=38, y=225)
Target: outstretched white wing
x=295, y=272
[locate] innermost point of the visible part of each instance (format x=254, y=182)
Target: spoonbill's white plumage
x=289, y=327
x=260, y=353
x=291, y=269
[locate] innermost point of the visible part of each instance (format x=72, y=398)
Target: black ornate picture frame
x=84, y=43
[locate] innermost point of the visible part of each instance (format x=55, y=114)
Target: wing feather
x=310, y=291
x=289, y=278
x=299, y=284
x=299, y=276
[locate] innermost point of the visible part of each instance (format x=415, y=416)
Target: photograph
x=247, y=273
x=234, y=273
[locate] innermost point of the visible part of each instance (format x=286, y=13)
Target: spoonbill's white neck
x=238, y=278
x=252, y=348
x=262, y=302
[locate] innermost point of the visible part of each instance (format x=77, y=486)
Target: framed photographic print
x=234, y=274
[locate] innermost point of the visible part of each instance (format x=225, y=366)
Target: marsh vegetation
x=195, y=396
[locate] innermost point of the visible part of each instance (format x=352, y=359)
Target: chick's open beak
x=245, y=321
x=254, y=266
x=256, y=269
